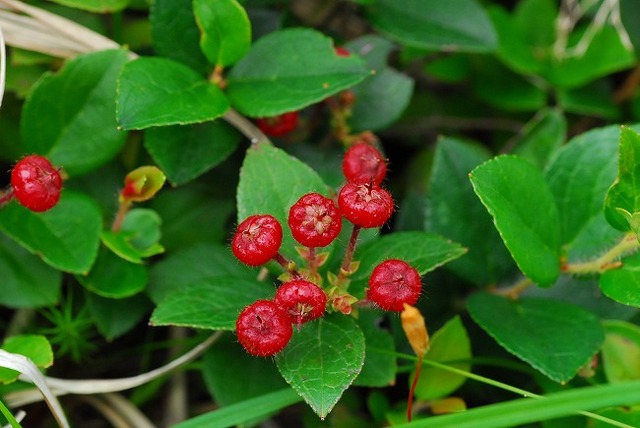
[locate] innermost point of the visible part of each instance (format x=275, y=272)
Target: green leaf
x=37, y=348
x=97, y=6
x=186, y=152
x=450, y=343
x=629, y=13
x=114, y=277
x=66, y=237
x=624, y=194
x=424, y=251
x=113, y=317
x=80, y=133
x=225, y=28
x=142, y=184
x=524, y=211
x=623, y=284
x=542, y=136
x=27, y=282
x=536, y=19
x=322, y=360
x=138, y=236
x=460, y=25
x=160, y=92
x=211, y=303
x=593, y=99
x=176, y=34
x=380, y=366
x=621, y=351
x=290, y=69
x=449, y=189
x=555, y=338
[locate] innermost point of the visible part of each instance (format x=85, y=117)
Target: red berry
x=314, y=220
x=302, y=300
x=280, y=125
x=340, y=51
x=36, y=183
x=363, y=163
x=257, y=239
x=263, y=328
x=392, y=284
x=365, y=205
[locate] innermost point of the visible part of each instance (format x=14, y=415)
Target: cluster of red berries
x=265, y=327
x=35, y=183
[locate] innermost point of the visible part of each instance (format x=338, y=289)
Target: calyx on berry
x=36, y=183
x=363, y=163
x=365, y=205
x=314, y=220
x=278, y=126
x=302, y=300
x=393, y=283
x=257, y=239
x=263, y=328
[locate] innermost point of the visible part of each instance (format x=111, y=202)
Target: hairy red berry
x=302, y=300
x=314, y=220
x=257, y=239
x=263, y=328
x=365, y=205
x=363, y=163
x=278, y=126
x=36, y=183
x=393, y=283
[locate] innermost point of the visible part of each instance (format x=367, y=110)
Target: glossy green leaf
x=380, y=366
x=80, y=133
x=176, y=34
x=579, y=192
x=629, y=13
x=542, y=136
x=113, y=277
x=322, y=360
x=37, y=348
x=424, y=251
x=555, y=338
x=186, y=152
x=212, y=303
x=621, y=351
x=66, y=237
x=524, y=211
x=225, y=30
x=624, y=195
x=623, y=284
x=629, y=416
x=115, y=317
x=536, y=19
x=97, y=6
x=449, y=189
x=460, y=25
x=27, y=282
x=593, y=99
x=450, y=343
x=290, y=69
x=138, y=236
x=160, y=92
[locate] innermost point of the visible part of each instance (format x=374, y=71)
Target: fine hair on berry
x=365, y=205
x=393, y=283
x=314, y=220
x=257, y=239
x=263, y=328
x=36, y=183
x=302, y=300
x=363, y=164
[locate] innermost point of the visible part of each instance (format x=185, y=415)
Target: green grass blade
x=9, y=416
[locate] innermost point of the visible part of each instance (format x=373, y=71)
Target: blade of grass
x=9, y=416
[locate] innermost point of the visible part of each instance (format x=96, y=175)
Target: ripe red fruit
x=340, y=51
x=302, y=300
x=257, y=239
x=392, y=284
x=280, y=125
x=36, y=183
x=314, y=220
x=363, y=163
x=365, y=205
x=263, y=328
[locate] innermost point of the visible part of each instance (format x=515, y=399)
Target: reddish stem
x=313, y=263
x=123, y=209
x=412, y=390
x=348, y=255
x=286, y=264
x=7, y=197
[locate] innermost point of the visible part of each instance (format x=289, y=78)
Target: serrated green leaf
x=322, y=360
x=624, y=193
x=97, y=6
x=186, y=152
x=460, y=25
x=623, y=284
x=524, y=211
x=160, y=92
x=542, y=136
x=37, y=348
x=115, y=317
x=225, y=30
x=113, y=277
x=66, y=237
x=138, y=236
x=80, y=133
x=27, y=282
x=379, y=369
x=621, y=351
x=424, y=251
x=449, y=189
x=211, y=303
x=555, y=338
x=450, y=343
x=290, y=69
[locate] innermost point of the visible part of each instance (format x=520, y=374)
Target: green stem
x=608, y=260
x=9, y=416
x=246, y=127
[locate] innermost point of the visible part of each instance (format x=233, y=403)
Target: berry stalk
x=7, y=197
